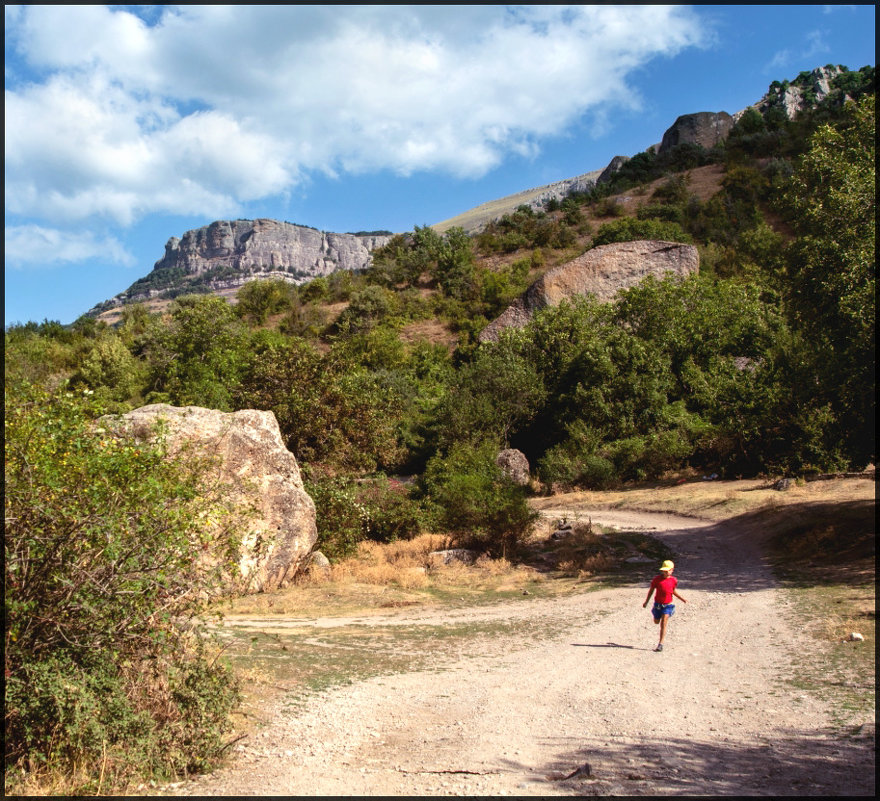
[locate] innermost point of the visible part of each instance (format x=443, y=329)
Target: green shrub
x=629, y=229
x=105, y=669
x=565, y=464
x=261, y=297
x=349, y=511
x=659, y=211
x=474, y=501
x=673, y=190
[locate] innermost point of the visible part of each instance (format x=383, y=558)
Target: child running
x=664, y=583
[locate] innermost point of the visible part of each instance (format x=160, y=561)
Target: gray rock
x=316, y=564
x=705, y=128
x=451, y=556
x=248, y=249
x=262, y=476
x=613, y=166
x=514, y=465
x=601, y=272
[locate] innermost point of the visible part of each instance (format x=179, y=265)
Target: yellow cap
x=667, y=566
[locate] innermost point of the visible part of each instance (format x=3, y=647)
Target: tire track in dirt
x=711, y=715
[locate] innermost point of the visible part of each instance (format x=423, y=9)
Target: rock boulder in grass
x=602, y=272
x=262, y=474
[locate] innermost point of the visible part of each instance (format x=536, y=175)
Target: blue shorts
x=658, y=610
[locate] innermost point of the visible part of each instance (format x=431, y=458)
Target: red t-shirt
x=664, y=586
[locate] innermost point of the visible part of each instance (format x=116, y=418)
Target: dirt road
x=710, y=715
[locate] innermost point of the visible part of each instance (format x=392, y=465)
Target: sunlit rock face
x=601, y=272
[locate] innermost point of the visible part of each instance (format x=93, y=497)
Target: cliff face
x=253, y=246
x=226, y=254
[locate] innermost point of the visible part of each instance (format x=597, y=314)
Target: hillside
x=226, y=254
x=475, y=219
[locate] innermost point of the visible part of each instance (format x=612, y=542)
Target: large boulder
x=262, y=477
x=514, y=465
x=705, y=128
x=602, y=272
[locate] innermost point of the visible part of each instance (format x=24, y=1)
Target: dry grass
x=433, y=332
x=714, y=500
x=381, y=576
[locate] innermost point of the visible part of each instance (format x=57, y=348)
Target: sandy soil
x=710, y=715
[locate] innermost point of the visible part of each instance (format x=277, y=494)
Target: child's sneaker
x=659, y=647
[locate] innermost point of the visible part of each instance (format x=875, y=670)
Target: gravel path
x=593, y=711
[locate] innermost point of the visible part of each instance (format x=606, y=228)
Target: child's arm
x=648, y=597
x=675, y=593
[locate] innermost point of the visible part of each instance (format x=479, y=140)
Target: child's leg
x=663, y=622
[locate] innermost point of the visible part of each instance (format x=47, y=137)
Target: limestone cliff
x=227, y=253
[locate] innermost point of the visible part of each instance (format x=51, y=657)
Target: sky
x=127, y=125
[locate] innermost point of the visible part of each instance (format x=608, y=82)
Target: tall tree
x=832, y=266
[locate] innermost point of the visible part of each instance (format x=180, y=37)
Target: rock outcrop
x=264, y=245
x=808, y=90
x=705, y=128
x=613, y=166
x=226, y=254
x=262, y=477
x=601, y=272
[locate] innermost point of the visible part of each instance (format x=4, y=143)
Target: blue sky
x=126, y=125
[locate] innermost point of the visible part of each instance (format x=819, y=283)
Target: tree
x=112, y=370
x=832, y=265
x=259, y=298
x=475, y=502
x=197, y=359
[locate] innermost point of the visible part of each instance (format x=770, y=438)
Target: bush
x=475, y=502
x=349, y=511
x=261, y=297
x=105, y=671
x=629, y=229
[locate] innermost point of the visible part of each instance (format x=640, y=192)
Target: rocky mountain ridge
x=226, y=254
x=704, y=128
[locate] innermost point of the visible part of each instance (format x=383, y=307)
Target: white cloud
x=34, y=245
x=214, y=106
x=814, y=44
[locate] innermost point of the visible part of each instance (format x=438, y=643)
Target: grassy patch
x=824, y=557
x=714, y=500
x=294, y=664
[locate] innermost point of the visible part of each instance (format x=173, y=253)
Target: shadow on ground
x=797, y=764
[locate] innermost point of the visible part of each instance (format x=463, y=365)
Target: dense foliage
x=99, y=548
